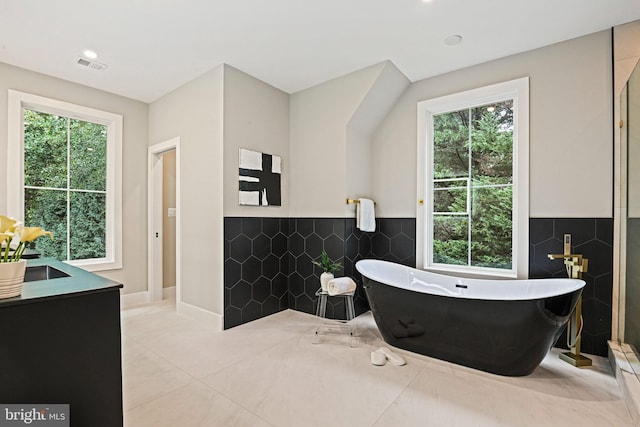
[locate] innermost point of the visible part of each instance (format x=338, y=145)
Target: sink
x=43, y=272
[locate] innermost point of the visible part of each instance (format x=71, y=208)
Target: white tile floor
x=180, y=372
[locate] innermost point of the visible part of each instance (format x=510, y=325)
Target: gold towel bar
x=351, y=201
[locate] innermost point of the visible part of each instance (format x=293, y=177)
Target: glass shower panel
x=630, y=295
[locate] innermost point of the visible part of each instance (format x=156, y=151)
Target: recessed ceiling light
x=88, y=53
x=453, y=40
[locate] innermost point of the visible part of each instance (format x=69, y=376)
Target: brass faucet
x=576, y=265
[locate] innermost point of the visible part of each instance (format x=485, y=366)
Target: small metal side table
x=347, y=326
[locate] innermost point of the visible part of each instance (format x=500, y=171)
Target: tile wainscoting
x=268, y=263
x=393, y=240
x=256, y=268
x=593, y=238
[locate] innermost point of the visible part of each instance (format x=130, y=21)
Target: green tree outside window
x=473, y=186
x=65, y=184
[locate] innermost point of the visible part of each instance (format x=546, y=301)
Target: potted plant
x=12, y=266
x=328, y=267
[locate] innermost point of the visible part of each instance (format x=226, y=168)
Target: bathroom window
x=64, y=178
x=473, y=168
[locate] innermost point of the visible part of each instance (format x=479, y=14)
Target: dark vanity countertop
x=81, y=281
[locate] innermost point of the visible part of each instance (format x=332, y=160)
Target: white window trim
x=518, y=90
x=17, y=103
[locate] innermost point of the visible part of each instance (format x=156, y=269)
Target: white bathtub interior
x=487, y=289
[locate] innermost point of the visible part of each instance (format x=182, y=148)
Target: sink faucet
x=576, y=264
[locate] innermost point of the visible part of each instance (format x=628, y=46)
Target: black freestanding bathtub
x=505, y=327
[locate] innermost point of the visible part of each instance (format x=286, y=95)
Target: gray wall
x=319, y=118
x=215, y=115
x=379, y=100
x=134, y=159
x=194, y=112
x=331, y=129
x=256, y=117
x=570, y=129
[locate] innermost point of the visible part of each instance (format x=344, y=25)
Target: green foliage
x=48, y=209
x=451, y=145
x=87, y=228
x=474, y=146
x=67, y=157
x=326, y=264
x=45, y=142
x=491, y=233
x=88, y=155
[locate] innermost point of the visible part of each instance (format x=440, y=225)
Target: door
x=158, y=267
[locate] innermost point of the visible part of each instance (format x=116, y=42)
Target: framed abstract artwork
x=259, y=179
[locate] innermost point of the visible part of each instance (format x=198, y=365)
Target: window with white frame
x=473, y=178
x=64, y=176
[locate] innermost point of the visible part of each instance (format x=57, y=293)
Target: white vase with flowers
x=14, y=238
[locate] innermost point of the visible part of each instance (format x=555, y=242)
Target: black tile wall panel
x=394, y=240
x=268, y=264
x=268, y=261
x=593, y=238
x=255, y=268
x=309, y=237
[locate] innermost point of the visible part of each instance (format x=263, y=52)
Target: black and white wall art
x=259, y=179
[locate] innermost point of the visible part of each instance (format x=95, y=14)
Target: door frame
x=154, y=219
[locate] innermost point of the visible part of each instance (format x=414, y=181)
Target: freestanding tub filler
x=505, y=327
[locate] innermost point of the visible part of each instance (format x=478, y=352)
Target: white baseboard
x=209, y=317
x=169, y=292
x=201, y=314
x=136, y=298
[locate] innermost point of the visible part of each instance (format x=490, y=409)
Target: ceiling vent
x=90, y=64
